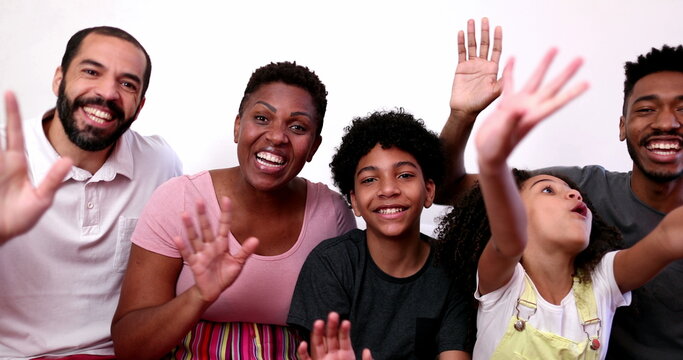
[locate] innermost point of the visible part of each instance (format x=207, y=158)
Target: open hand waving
x=519, y=112
x=331, y=341
x=22, y=204
x=208, y=255
x=476, y=82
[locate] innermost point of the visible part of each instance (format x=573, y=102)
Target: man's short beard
x=90, y=138
x=659, y=177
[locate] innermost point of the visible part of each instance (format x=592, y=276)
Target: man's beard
x=90, y=138
x=656, y=176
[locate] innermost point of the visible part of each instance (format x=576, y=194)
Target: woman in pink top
x=198, y=308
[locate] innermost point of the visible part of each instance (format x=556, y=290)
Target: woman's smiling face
x=276, y=134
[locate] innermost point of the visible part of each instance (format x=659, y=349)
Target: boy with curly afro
x=384, y=279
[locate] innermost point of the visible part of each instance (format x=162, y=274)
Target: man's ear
x=354, y=204
x=57, y=80
x=236, y=129
x=622, y=129
x=137, y=111
x=314, y=148
x=430, y=187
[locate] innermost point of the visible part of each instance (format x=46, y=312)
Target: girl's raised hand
x=518, y=112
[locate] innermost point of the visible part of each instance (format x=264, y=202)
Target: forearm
x=637, y=265
x=151, y=332
x=507, y=219
x=504, y=208
x=455, y=355
x=454, y=137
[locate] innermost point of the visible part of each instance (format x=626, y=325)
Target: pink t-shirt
x=263, y=291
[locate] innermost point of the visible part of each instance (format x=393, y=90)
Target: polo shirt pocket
x=125, y=228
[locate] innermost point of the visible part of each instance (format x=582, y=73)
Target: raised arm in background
x=475, y=86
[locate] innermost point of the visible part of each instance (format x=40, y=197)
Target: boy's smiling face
x=390, y=192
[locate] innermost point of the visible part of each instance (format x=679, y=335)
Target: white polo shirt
x=60, y=282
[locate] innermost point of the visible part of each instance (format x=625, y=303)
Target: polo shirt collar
x=42, y=155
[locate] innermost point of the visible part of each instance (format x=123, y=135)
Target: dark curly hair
x=387, y=128
x=463, y=233
x=665, y=59
x=291, y=74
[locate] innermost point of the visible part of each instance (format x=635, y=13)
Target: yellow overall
x=523, y=341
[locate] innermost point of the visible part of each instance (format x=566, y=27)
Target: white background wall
x=371, y=55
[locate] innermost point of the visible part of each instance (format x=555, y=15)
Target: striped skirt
x=211, y=340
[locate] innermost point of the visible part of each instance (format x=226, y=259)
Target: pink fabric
x=79, y=357
x=238, y=341
x=263, y=292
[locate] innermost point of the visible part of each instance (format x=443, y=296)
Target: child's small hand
x=519, y=112
x=331, y=342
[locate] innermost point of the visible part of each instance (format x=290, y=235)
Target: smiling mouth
x=581, y=209
x=270, y=159
x=663, y=147
x=389, y=211
x=97, y=115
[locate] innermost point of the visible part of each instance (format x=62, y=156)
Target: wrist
x=492, y=167
x=199, y=299
x=465, y=116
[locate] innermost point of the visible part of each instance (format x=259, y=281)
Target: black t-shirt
x=416, y=317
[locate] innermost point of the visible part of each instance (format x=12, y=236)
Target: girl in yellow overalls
x=546, y=282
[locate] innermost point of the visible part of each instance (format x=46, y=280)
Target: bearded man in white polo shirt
x=59, y=282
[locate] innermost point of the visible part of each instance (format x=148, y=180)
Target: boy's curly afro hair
x=387, y=128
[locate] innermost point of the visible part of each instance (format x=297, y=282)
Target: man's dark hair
x=665, y=59
x=74, y=44
x=291, y=74
x=388, y=129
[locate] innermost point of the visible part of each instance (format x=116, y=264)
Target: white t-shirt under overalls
x=498, y=307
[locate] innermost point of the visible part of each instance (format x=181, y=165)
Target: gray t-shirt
x=652, y=327
x=416, y=317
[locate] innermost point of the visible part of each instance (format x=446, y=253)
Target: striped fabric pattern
x=239, y=341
